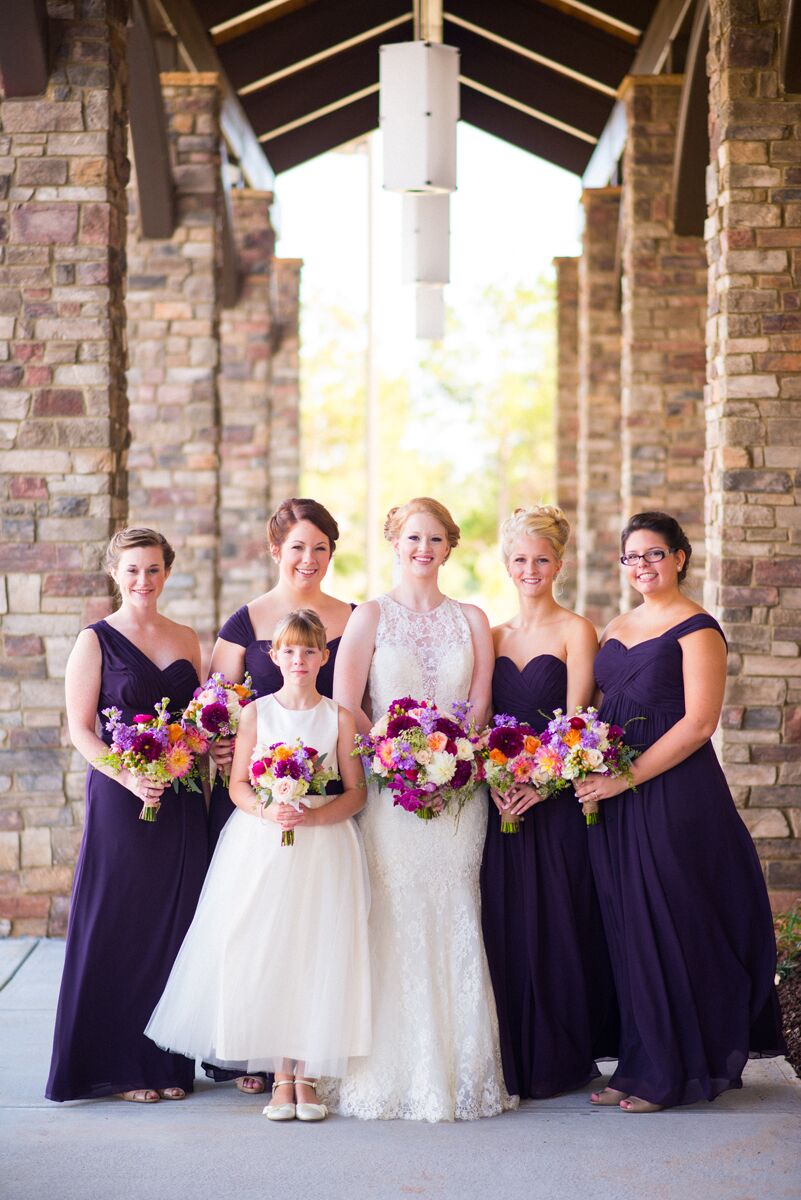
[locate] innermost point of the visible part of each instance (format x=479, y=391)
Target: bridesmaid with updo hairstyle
x=302, y=536
x=136, y=882
x=679, y=882
x=542, y=928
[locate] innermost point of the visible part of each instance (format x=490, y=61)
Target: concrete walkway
x=745, y=1146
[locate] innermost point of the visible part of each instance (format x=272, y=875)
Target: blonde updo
x=133, y=539
x=302, y=627
x=398, y=516
x=542, y=520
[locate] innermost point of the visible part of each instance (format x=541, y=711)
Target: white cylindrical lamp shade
x=429, y=313
x=418, y=111
x=425, y=242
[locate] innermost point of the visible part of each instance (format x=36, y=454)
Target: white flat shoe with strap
x=310, y=1112
x=281, y=1112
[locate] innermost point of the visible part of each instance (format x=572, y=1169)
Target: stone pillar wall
x=285, y=418
x=664, y=317
x=63, y=170
x=599, y=511
x=566, y=413
x=753, y=408
x=245, y=407
x=173, y=305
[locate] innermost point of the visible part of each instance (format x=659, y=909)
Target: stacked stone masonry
x=566, y=413
x=63, y=171
x=753, y=413
x=245, y=384
x=664, y=289
x=599, y=407
x=174, y=310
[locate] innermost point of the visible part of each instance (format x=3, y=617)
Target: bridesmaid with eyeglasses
x=679, y=882
x=542, y=927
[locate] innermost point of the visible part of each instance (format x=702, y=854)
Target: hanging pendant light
x=429, y=313
x=418, y=111
x=425, y=238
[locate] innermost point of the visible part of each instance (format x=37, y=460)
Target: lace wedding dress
x=435, y=1052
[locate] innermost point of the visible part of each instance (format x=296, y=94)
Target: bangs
x=301, y=628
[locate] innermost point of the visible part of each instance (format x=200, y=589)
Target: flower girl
x=274, y=973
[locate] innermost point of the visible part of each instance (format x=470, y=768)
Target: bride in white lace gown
x=435, y=1053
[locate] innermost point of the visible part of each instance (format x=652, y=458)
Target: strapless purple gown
x=542, y=926
x=267, y=679
x=133, y=898
x=684, y=902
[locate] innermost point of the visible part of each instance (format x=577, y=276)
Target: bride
x=435, y=1050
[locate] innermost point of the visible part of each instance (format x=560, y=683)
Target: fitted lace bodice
x=428, y=655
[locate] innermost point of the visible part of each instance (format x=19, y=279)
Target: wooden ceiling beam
x=149, y=137
x=530, y=84
x=311, y=32
x=555, y=40
x=520, y=130
x=325, y=134
x=790, y=46
x=24, y=46
x=201, y=55
x=692, y=134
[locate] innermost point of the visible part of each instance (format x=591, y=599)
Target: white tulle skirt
x=275, y=964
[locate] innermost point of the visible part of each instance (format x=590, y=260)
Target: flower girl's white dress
x=275, y=963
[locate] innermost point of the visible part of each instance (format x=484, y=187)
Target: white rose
x=441, y=768
x=593, y=758
x=423, y=756
x=380, y=728
x=464, y=749
x=288, y=790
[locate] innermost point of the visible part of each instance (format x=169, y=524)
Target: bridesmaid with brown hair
x=302, y=537
x=136, y=882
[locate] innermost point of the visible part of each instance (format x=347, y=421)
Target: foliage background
x=470, y=421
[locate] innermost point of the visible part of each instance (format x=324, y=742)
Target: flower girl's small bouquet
x=509, y=747
x=152, y=748
x=285, y=773
x=216, y=708
x=428, y=761
x=575, y=747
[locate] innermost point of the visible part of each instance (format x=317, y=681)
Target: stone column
x=285, y=419
x=63, y=170
x=173, y=305
x=753, y=408
x=566, y=413
x=245, y=407
x=599, y=508
x=663, y=325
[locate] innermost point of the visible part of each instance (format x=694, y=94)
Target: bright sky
x=511, y=215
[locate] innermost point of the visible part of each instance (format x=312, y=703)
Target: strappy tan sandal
x=310, y=1112
x=140, y=1096
x=281, y=1112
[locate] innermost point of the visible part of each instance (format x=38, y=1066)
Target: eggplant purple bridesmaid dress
x=684, y=902
x=134, y=895
x=542, y=927
x=267, y=679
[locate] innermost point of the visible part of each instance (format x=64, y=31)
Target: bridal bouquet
x=216, y=708
x=286, y=772
x=509, y=749
x=152, y=748
x=426, y=759
x=574, y=747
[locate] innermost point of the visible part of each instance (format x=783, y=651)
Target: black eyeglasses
x=650, y=556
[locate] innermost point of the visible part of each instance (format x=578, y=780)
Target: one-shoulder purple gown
x=683, y=898
x=267, y=679
x=133, y=898
x=542, y=926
